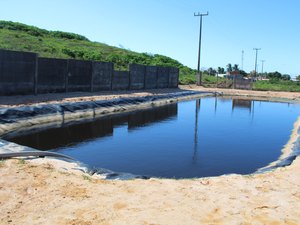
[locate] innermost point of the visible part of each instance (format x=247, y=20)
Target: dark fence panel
x=17, y=72
x=173, y=77
x=25, y=73
x=120, y=80
x=162, y=77
x=79, y=75
x=137, y=77
x=151, y=77
x=52, y=75
x=102, y=76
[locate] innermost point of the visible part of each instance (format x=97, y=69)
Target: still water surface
x=204, y=137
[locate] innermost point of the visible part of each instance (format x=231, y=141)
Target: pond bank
x=42, y=193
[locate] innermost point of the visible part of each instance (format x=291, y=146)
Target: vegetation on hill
x=57, y=44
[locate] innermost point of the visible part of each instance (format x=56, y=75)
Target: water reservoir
x=210, y=136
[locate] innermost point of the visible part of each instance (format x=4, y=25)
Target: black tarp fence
x=27, y=73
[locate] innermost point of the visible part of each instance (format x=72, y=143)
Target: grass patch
x=277, y=85
x=207, y=80
x=187, y=79
x=21, y=161
x=86, y=177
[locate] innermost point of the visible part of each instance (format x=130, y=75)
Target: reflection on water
x=77, y=133
x=204, y=137
x=198, y=102
x=241, y=104
x=154, y=115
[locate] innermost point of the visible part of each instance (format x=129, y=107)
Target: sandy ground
x=12, y=101
x=246, y=93
x=32, y=193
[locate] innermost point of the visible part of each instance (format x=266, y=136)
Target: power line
x=199, y=79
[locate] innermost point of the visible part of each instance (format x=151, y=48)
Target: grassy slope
x=53, y=47
x=21, y=37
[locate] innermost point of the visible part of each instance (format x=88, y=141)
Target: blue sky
x=168, y=27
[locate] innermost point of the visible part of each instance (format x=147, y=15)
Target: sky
x=169, y=27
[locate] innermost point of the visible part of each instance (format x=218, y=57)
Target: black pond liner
x=12, y=115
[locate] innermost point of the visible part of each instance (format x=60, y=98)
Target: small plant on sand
x=22, y=161
x=85, y=177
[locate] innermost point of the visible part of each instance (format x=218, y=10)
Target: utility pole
x=256, y=49
x=199, y=75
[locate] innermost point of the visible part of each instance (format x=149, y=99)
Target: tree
x=235, y=67
x=286, y=77
x=242, y=72
x=298, y=78
x=211, y=71
x=229, y=67
x=274, y=75
x=221, y=70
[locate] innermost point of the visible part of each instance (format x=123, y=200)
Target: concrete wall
x=17, y=72
x=120, y=80
x=26, y=73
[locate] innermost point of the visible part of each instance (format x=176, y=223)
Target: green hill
x=57, y=44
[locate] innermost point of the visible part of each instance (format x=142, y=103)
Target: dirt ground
x=32, y=193
x=12, y=101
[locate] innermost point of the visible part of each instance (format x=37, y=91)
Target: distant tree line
x=221, y=70
x=277, y=76
x=229, y=68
